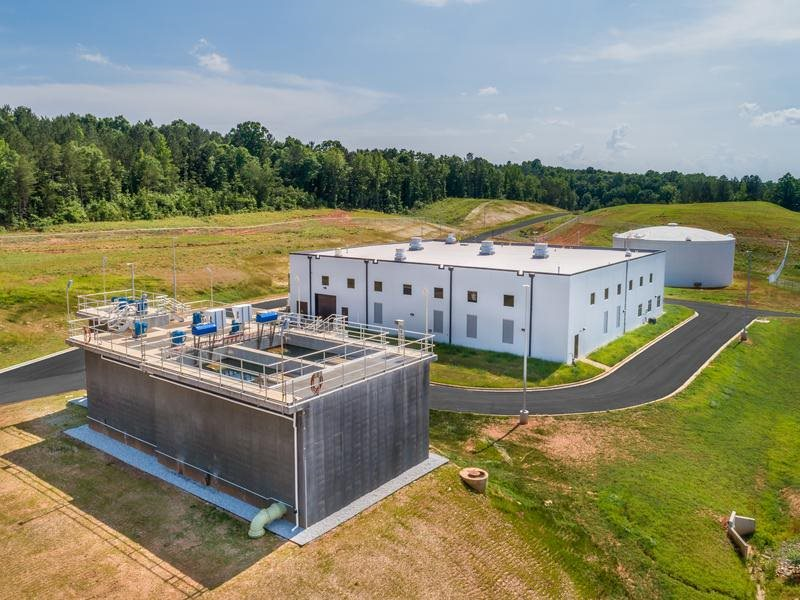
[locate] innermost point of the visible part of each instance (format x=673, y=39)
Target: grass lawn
x=631, y=503
x=760, y=227
x=458, y=365
x=624, y=346
x=247, y=263
x=78, y=524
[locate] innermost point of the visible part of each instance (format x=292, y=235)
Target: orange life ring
x=316, y=383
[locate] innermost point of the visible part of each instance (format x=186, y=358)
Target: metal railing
x=352, y=352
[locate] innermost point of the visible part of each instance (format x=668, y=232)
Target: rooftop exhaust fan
x=400, y=254
x=540, y=250
x=451, y=239
x=487, y=247
x=416, y=243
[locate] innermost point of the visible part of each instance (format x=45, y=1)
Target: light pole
x=743, y=336
x=174, y=272
x=425, y=294
x=105, y=262
x=523, y=414
x=211, y=274
x=133, y=278
x=69, y=285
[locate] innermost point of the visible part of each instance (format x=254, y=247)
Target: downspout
x=311, y=311
x=530, y=321
x=296, y=482
x=450, y=310
x=366, y=292
x=625, y=309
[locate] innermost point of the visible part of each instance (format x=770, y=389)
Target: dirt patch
x=792, y=498
x=497, y=213
x=573, y=236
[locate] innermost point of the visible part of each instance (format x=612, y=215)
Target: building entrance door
x=324, y=305
x=575, y=348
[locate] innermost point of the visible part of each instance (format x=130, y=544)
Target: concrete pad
x=83, y=402
x=149, y=464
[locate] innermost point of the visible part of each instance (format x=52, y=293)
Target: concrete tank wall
x=707, y=263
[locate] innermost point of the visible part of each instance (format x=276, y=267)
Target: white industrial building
x=695, y=257
x=579, y=298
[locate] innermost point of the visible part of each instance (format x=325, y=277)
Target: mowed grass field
x=622, y=504
x=760, y=227
x=470, y=215
x=247, y=254
x=632, y=503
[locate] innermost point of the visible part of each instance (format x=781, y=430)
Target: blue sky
x=703, y=85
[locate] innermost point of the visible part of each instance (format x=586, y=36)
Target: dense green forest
x=80, y=167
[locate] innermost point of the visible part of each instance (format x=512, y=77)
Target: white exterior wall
x=560, y=303
x=709, y=263
x=587, y=320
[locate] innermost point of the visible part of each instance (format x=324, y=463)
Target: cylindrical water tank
x=694, y=257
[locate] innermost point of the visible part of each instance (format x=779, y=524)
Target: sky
x=697, y=86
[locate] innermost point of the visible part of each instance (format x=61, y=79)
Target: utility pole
x=743, y=336
x=105, y=261
x=69, y=285
x=174, y=272
x=211, y=274
x=133, y=278
x=523, y=414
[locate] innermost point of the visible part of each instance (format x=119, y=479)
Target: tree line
x=75, y=168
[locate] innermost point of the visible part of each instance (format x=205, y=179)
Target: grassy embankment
x=631, y=503
x=469, y=215
x=760, y=227
x=624, y=346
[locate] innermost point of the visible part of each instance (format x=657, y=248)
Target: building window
x=326, y=280
x=658, y=300
x=641, y=280
x=605, y=321
x=351, y=283
x=630, y=284
x=640, y=310
x=377, y=312
x=472, y=296
x=302, y=307
x=345, y=312
x=472, y=326
x=649, y=305
x=591, y=298
x=406, y=289
x=438, y=293
x=377, y=286
x=508, y=331
x=508, y=300
x=438, y=321
x=651, y=278
x=619, y=289
x=605, y=294
x=619, y=314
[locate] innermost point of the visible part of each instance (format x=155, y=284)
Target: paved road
x=653, y=374
x=60, y=373
x=514, y=226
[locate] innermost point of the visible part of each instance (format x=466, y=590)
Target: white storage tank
x=694, y=257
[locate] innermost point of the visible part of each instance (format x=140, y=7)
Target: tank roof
x=673, y=232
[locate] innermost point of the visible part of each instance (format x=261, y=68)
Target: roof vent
x=487, y=247
x=338, y=252
x=416, y=243
x=688, y=238
x=451, y=239
x=627, y=252
x=400, y=254
x=540, y=250
x=672, y=224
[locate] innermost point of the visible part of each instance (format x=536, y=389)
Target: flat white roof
x=510, y=257
x=673, y=232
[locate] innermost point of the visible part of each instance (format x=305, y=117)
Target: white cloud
x=749, y=109
x=738, y=23
x=572, y=155
x=443, y=3
x=555, y=122
x=787, y=116
x=209, y=59
x=616, y=143
x=305, y=108
x=488, y=91
x=497, y=117
x=94, y=57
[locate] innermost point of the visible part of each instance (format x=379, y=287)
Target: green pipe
x=264, y=517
